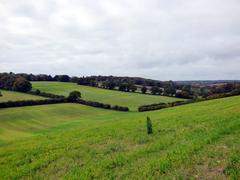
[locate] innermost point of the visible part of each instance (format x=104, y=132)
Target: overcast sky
x=159, y=39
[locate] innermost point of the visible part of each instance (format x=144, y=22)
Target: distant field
x=16, y=96
x=71, y=141
x=132, y=100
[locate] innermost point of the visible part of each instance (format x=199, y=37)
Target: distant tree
x=169, y=88
x=155, y=90
x=74, y=95
x=228, y=87
x=74, y=79
x=149, y=126
x=21, y=84
x=7, y=81
x=150, y=82
x=38, y=92
x=159, y=84
x=110, y=84
x=122, y=87
x=160, y=91
x=82, y=81
x=62, y=78
x=128, y=86
x=187, y=88
x=133, y=88
x=85, y=81
x=205, y=92
x=183, y=94
x=139, y=81
x=50, y=78
x=237, y=86
x=144, y=89
x=92, y=83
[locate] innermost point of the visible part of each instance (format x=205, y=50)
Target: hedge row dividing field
x=131, y=100
x=199, y=140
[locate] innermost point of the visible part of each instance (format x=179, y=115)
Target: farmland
x=131, y=100
x=200, y=140
x=16, y=96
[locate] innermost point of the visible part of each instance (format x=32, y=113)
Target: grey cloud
x=155, y=39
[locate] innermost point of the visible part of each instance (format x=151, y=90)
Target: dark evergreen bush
x=74, y=95
x=149, y=126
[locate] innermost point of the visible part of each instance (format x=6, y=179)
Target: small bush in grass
x=38, y=92
x=74, y=95
x=0, y=93
x=149, y=126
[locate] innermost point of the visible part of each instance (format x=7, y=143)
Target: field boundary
x=158, y=106
x=58, y=99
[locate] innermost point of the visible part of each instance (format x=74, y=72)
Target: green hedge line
x=101, y=105
x=56, y=99
x=31, y=102
x=158, y=106
x=45, y=94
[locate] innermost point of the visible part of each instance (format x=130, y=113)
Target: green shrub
x=74, y=95
x=38, y=92
x=149, y=126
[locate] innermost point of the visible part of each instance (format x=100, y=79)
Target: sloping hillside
x=16, y=96
x=131, y=100
x=73, y=141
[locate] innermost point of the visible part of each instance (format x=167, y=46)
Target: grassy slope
x=16, y=96
x=200, y=140
x=132, y=100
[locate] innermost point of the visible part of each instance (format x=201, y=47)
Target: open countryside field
x=131, y=100
x=16, y=96
x=200, y=140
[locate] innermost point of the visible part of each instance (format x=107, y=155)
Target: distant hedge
x=45, y=94
x=57, y=99
x=235, y=92
x=152, y=107
x=101, y=105
x=31, y=102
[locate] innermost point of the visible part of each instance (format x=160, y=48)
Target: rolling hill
x=200, y=140
x=131, y=100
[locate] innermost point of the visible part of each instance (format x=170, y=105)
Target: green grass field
x=71, y=141
x=16, y=96
x=131, y=100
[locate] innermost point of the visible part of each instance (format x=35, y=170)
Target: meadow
x=16, y=96
x=71, y=141
x=131, y=100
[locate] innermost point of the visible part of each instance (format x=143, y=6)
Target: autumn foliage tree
x=22, y=85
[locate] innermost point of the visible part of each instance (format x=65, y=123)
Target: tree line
x=186, y=90
x=151, y=107
x=10, y=81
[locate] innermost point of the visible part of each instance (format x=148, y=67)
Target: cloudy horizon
x=177, y=40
